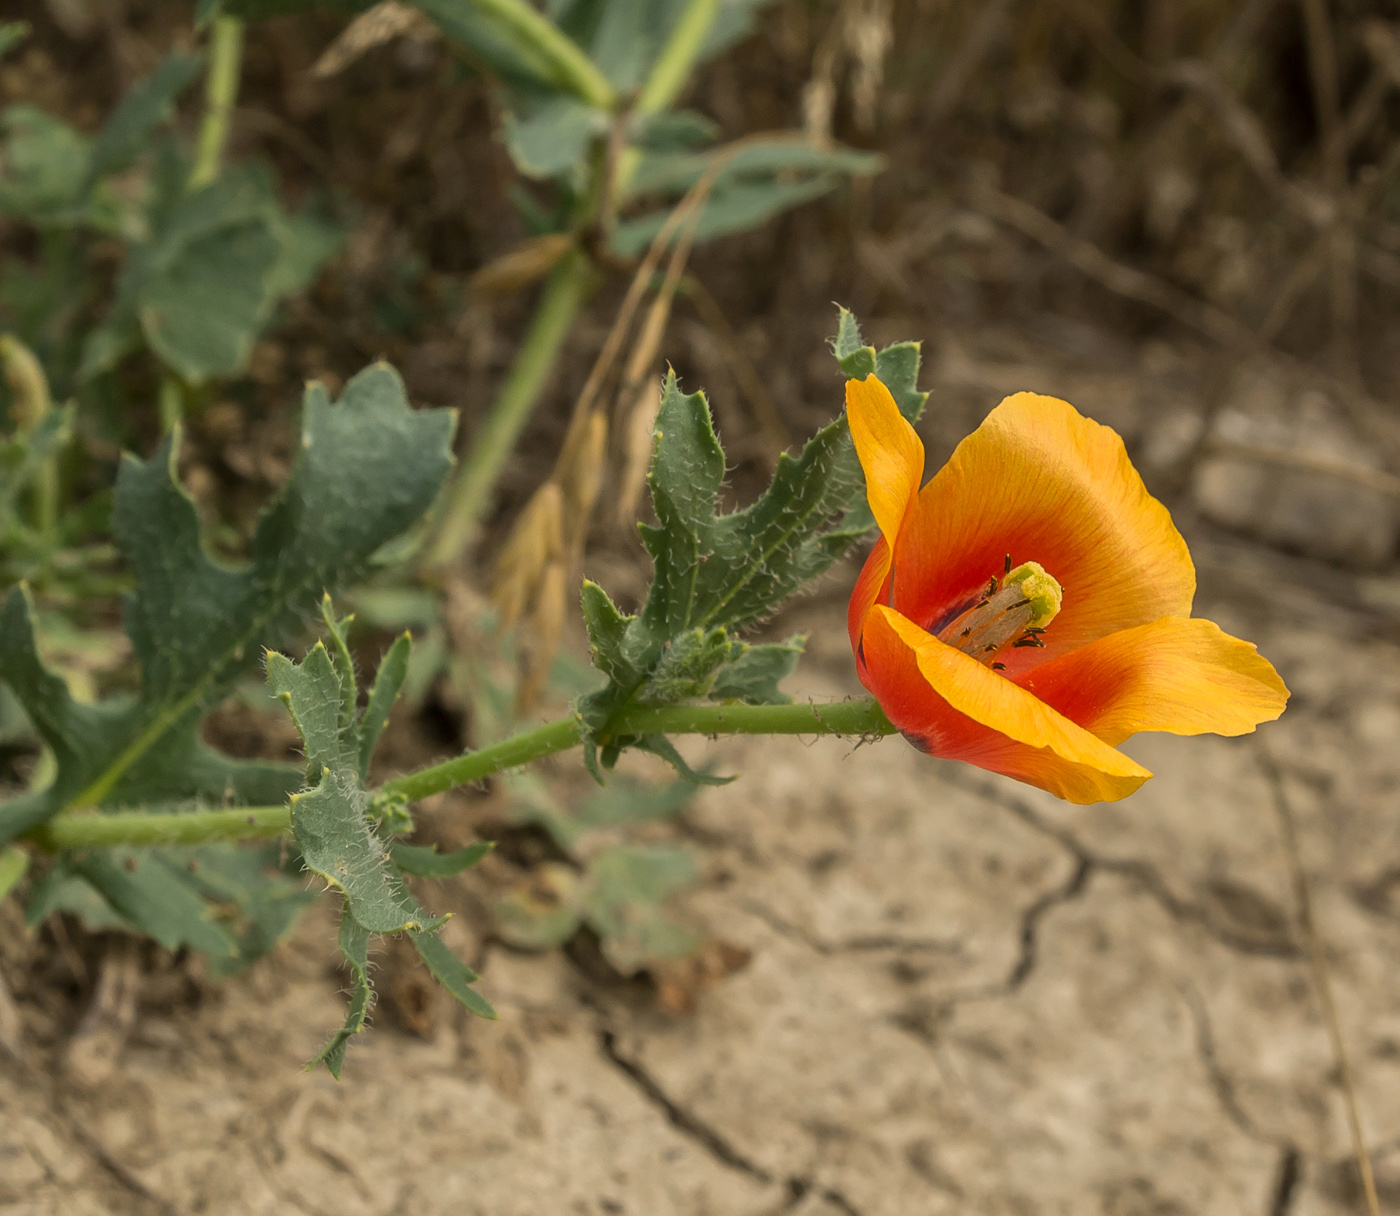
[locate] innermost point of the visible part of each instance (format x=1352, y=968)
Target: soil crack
x=701, y=1133
x=1141, y=874
x=863, y=943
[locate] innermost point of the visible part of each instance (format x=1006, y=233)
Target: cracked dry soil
x=964, y=997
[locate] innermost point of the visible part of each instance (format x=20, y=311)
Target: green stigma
x=1040, y=587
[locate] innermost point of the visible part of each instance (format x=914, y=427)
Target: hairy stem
x=220, y=92
x=837, y=718
x=92, y=829
x=564, y=293
x=87, y=829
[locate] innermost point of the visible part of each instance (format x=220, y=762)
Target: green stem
x=563, y=296
x=571, y=67
x=30, y=403
x=87, y=829
x=93, y=829
x=672, y=67
x=220, y=93
x=837, y=718
x=668, y=77
x=557, y=736
x=171, y=403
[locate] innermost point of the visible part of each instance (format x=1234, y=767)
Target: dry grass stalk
x=1122, y=280
x=547, y=541
x=519, y=267
x=1321, y=977
x=764, y=408
x=871, y=36
x=536, y=540
x=381, y=24
x=637, y=403
x=859, y=34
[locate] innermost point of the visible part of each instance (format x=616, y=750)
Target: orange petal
x=873, y=584
x=1187, y=677
x=1041, y=482
x=890, y=453
x=951, y=705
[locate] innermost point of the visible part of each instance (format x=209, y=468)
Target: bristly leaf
x=334, y=827
x=451, y=973
x=354, y=945
x=714, y=574
x=368, y=469
x=388, y=682
x=753, y=677
x=331, y=821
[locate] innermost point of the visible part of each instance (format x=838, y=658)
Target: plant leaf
x=147, y=104
x=754, y=675
x=388, y=680
x=14, y=861
x=354, y=946
x=624, y=893
x=154, y=899
x=451, y=973
x=715, y=574
x=43, y=167
x=424, y=861
x=368, y=469
x=540, y=911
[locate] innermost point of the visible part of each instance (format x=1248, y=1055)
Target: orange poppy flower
x=1030, y=607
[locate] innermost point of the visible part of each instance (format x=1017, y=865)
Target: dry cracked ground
x=963, y=997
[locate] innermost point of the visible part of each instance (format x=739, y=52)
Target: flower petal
x=890, y=453
x=1041, y=482
x=951, y=705
x=873, y=584
x=1187, y=677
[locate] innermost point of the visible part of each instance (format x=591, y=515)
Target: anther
x=1012, y=611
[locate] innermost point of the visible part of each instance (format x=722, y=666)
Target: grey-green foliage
x=204, y=269
x=553, y=134
x=338, y=836
x=199, y=289
x=752, y=183
x=714, y=574
x=233, y=902
x=619, y=890
x=368, y=469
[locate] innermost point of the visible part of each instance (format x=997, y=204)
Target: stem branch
x=564, y=293
x=220, y=92
x=92, y=829
x=87, y=829
x=570, y=66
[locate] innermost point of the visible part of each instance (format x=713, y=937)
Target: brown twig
x=1122, y=280
x=1322, y=980
x=1322, y=67
x=751, y=384
x=1372, y=479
